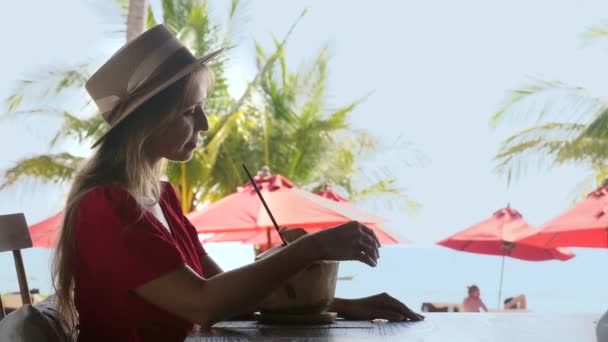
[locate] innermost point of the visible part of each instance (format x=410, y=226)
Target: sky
x=438, y=71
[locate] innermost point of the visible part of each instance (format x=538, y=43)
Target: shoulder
x=170, y=195
x=108, y=194
x=108, y=200
x=168, y=190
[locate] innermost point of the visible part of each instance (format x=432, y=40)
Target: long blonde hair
x=120, y=160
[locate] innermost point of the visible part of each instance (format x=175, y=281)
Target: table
x=453, y=327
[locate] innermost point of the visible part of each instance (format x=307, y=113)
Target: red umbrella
x=332, y=195
x=583, y=225
x=381, y=233
x=292, y=207
x=44, y=233
x=500, y=235
x=261, y=237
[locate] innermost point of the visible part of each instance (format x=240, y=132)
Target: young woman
x=128, y=264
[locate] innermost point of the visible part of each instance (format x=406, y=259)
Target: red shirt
x=118, y=251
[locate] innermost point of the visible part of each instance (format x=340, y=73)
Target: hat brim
x=136, y=102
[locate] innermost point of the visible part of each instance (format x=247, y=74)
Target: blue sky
x=438, y=69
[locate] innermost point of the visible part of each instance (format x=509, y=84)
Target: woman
x=128, y=265
x=473, y=302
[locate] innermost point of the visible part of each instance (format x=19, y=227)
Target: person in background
x=516, y=303
x=473, y=302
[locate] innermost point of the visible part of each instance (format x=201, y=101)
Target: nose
x=202, y=123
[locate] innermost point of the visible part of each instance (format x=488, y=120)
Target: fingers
x=366, y=245
x=369, y=247
x=388, y=314
x=412, y=316
x=401, y=308
x=353, y=241
x=368, y=231
x=369, y=234
x=364, y=258
x=392, y=315
x=365, y=230
x=372, y=234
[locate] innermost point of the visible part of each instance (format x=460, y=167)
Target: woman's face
x=475, y=293
x=179, y=137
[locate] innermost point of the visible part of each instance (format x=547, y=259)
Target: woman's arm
x=210, y=267
x=377, y=306
x=210, y=270
x=207, y=301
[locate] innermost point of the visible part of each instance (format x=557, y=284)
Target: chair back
x=15, y=236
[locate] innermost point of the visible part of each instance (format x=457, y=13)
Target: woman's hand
x=377, y=306
x=350, y=241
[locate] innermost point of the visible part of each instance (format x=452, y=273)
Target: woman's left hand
x=377, y=306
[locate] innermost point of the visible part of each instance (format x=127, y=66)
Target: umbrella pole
x=502, y=269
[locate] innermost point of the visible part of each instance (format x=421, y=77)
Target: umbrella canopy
x=381, y=232
x=261, y=237
x=241, y=216
x=583, y=225
x=291, y=207
x=44, y=233
x=332, y=195
x=500, y=235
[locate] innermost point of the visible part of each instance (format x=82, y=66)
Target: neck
x=153, y=160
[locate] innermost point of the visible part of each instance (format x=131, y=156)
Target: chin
x=182, y=156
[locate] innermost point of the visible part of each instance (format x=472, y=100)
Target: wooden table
x=438, y=327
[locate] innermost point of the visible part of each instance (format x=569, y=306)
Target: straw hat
x=139, y=70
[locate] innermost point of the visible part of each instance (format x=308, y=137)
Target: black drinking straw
x=274, y=222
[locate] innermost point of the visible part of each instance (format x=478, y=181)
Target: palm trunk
x=185, y=190
x=137, y=18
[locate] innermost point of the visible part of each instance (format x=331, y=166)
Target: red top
x=116, y=252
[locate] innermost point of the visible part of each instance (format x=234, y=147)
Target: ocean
x=416, y=274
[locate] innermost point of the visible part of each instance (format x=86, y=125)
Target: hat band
x=140, y=74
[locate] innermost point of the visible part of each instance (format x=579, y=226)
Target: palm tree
x=189, y=20
x=290, y=128
x=570, y=126
x=136, y=18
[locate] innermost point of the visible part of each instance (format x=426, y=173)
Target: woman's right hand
x=349, y=241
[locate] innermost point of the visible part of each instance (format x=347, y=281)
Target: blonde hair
x=119, y=160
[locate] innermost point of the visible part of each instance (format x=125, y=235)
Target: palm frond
x=383, y=186
x=548, y=145
x=595, y=33
x=91, y=128
x=56, y=81
x=176, y=12
x=123, y=5
x=554, y=99
x=598, y=127
x=151, y=20
x=51, y=167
